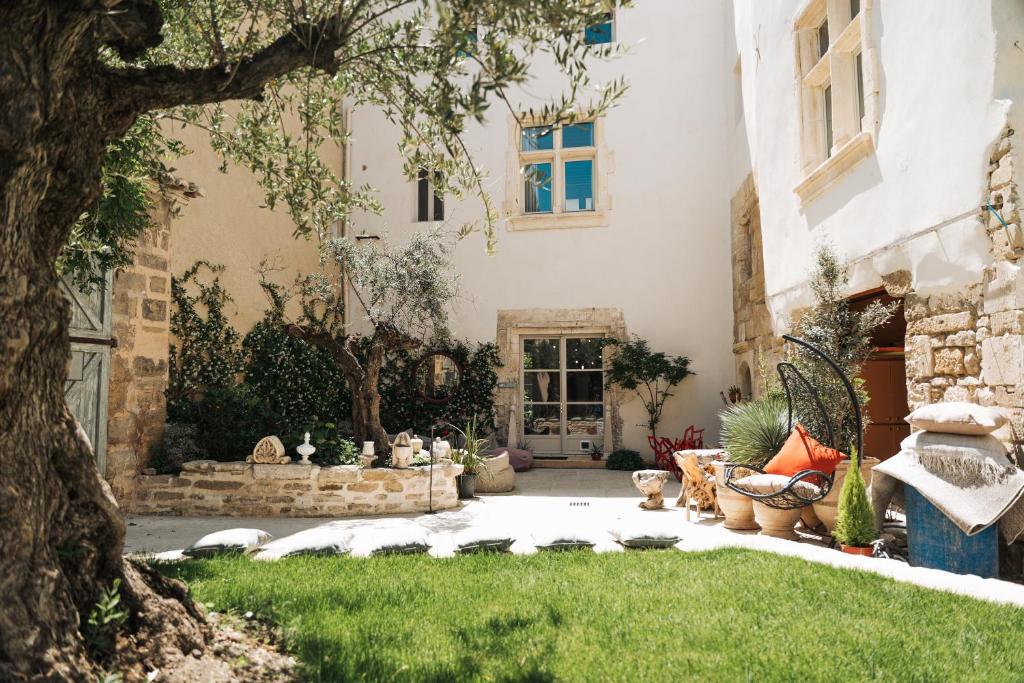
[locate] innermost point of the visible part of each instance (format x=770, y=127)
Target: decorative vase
x=737, y=508
x=827, y=508
x=368, y=456
x=305, y=449
x=466, y=484
x=863, y=550
x=775, y=522
x=417, y=445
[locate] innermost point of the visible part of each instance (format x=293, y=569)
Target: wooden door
x=89, y=368
x=885, y=379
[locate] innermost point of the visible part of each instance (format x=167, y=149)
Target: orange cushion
x=803, y=452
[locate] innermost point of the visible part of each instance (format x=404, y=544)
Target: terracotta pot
x=827, y=508
x=737, y=508
x=866, y=550
x=775, y=522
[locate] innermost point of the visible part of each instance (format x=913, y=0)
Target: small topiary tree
x=855, y=520
x=651, y=374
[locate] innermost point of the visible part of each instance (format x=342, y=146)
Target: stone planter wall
x=207, y=487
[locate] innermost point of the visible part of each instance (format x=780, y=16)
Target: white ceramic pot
x=775, y=522
x=737, y=508
x=827, y=508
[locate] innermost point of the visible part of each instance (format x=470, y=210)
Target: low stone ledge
x=207, y=487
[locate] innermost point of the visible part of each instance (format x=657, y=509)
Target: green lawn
x=727, y=615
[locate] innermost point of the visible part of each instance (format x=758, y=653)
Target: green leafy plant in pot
x=754, y=431
x=472, y=457
x=855, y=522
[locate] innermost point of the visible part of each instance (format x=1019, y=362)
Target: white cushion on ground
x=398, y=540
x=773, y=483
x=646, y=533
x=956, y=417
x=227, y=541
x=482, y=538
x=317, y=541
x=563, y=539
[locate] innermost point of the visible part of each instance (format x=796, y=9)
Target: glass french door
x=563, y=394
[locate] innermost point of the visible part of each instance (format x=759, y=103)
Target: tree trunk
x=61, y=532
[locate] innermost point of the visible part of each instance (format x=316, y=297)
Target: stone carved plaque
x=269, y=451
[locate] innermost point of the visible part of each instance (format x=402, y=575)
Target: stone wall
x=136, y=406
x=754, y=341
x=969, y=345
x=207, y=487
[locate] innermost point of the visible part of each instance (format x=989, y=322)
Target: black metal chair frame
x=790, y=496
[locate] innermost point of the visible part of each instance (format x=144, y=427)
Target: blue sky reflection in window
x=600, y=34
x=537, y=188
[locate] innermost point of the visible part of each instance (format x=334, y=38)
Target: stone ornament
x=440, y=450
x=269, y=451
x=368, y=455
x=401, y=451
x=305, y=449
x=651, y=483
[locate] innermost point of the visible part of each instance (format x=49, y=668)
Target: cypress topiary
x=855, y=520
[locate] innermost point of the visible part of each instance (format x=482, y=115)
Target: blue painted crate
x=934, y=541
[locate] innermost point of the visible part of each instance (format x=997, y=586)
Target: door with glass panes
x=563, y=394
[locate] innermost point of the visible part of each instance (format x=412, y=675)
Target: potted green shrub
x=855, y=522
x=596, y=451
x=752, y=433
x=625, y=459
x=471, y=457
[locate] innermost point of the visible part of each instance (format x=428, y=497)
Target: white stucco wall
x=940, y=113
x=664, y=258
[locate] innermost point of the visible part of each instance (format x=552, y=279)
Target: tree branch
x=164, y=86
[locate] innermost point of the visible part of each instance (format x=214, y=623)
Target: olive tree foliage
x=430, y=66
x=403, y=294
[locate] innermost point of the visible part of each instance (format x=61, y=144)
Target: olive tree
x=77, y=76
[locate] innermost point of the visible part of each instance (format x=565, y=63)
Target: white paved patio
x=591, y=500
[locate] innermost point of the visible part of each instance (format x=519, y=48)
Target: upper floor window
x=601, y=33
x=558, y=168
x=838, y=104
x=429, y=200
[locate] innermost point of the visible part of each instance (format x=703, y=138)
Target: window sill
x=835, y=167
x=557, y=221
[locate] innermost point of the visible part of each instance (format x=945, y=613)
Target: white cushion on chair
x=773, y=483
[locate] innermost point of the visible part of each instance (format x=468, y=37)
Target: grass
x=727, y=615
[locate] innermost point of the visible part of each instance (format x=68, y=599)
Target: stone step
x=568, y=463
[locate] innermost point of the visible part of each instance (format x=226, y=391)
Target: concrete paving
x=590, y=501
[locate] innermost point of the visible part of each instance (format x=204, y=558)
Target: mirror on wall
x=437, y=377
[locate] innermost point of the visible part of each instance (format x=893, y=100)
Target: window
x=837, y=106
x=558, y=168
x=429, y=201
x=602, y=33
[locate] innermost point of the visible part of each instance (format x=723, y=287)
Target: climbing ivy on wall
x=403, y=408
x=205, y=354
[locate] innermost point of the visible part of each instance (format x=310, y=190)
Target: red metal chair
x=664, y=447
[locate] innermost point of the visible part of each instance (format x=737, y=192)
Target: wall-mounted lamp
x=363, y=236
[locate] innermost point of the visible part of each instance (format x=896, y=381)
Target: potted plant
x=471, y=457
x=855, y=522
x=735, y=394
x=596, y=452
x=752, y=433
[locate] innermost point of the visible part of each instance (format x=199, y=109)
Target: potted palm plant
x=471, y=457
x=855, y=522
x=596, y=451
x=752, y=433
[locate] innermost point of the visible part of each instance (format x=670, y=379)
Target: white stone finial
x=305, y=449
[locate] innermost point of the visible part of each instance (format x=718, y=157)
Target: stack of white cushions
x=957, y=418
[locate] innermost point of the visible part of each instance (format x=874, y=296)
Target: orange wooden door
x=885, y=379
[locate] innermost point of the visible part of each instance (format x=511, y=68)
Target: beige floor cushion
x=956, y=417
x=773, y=483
